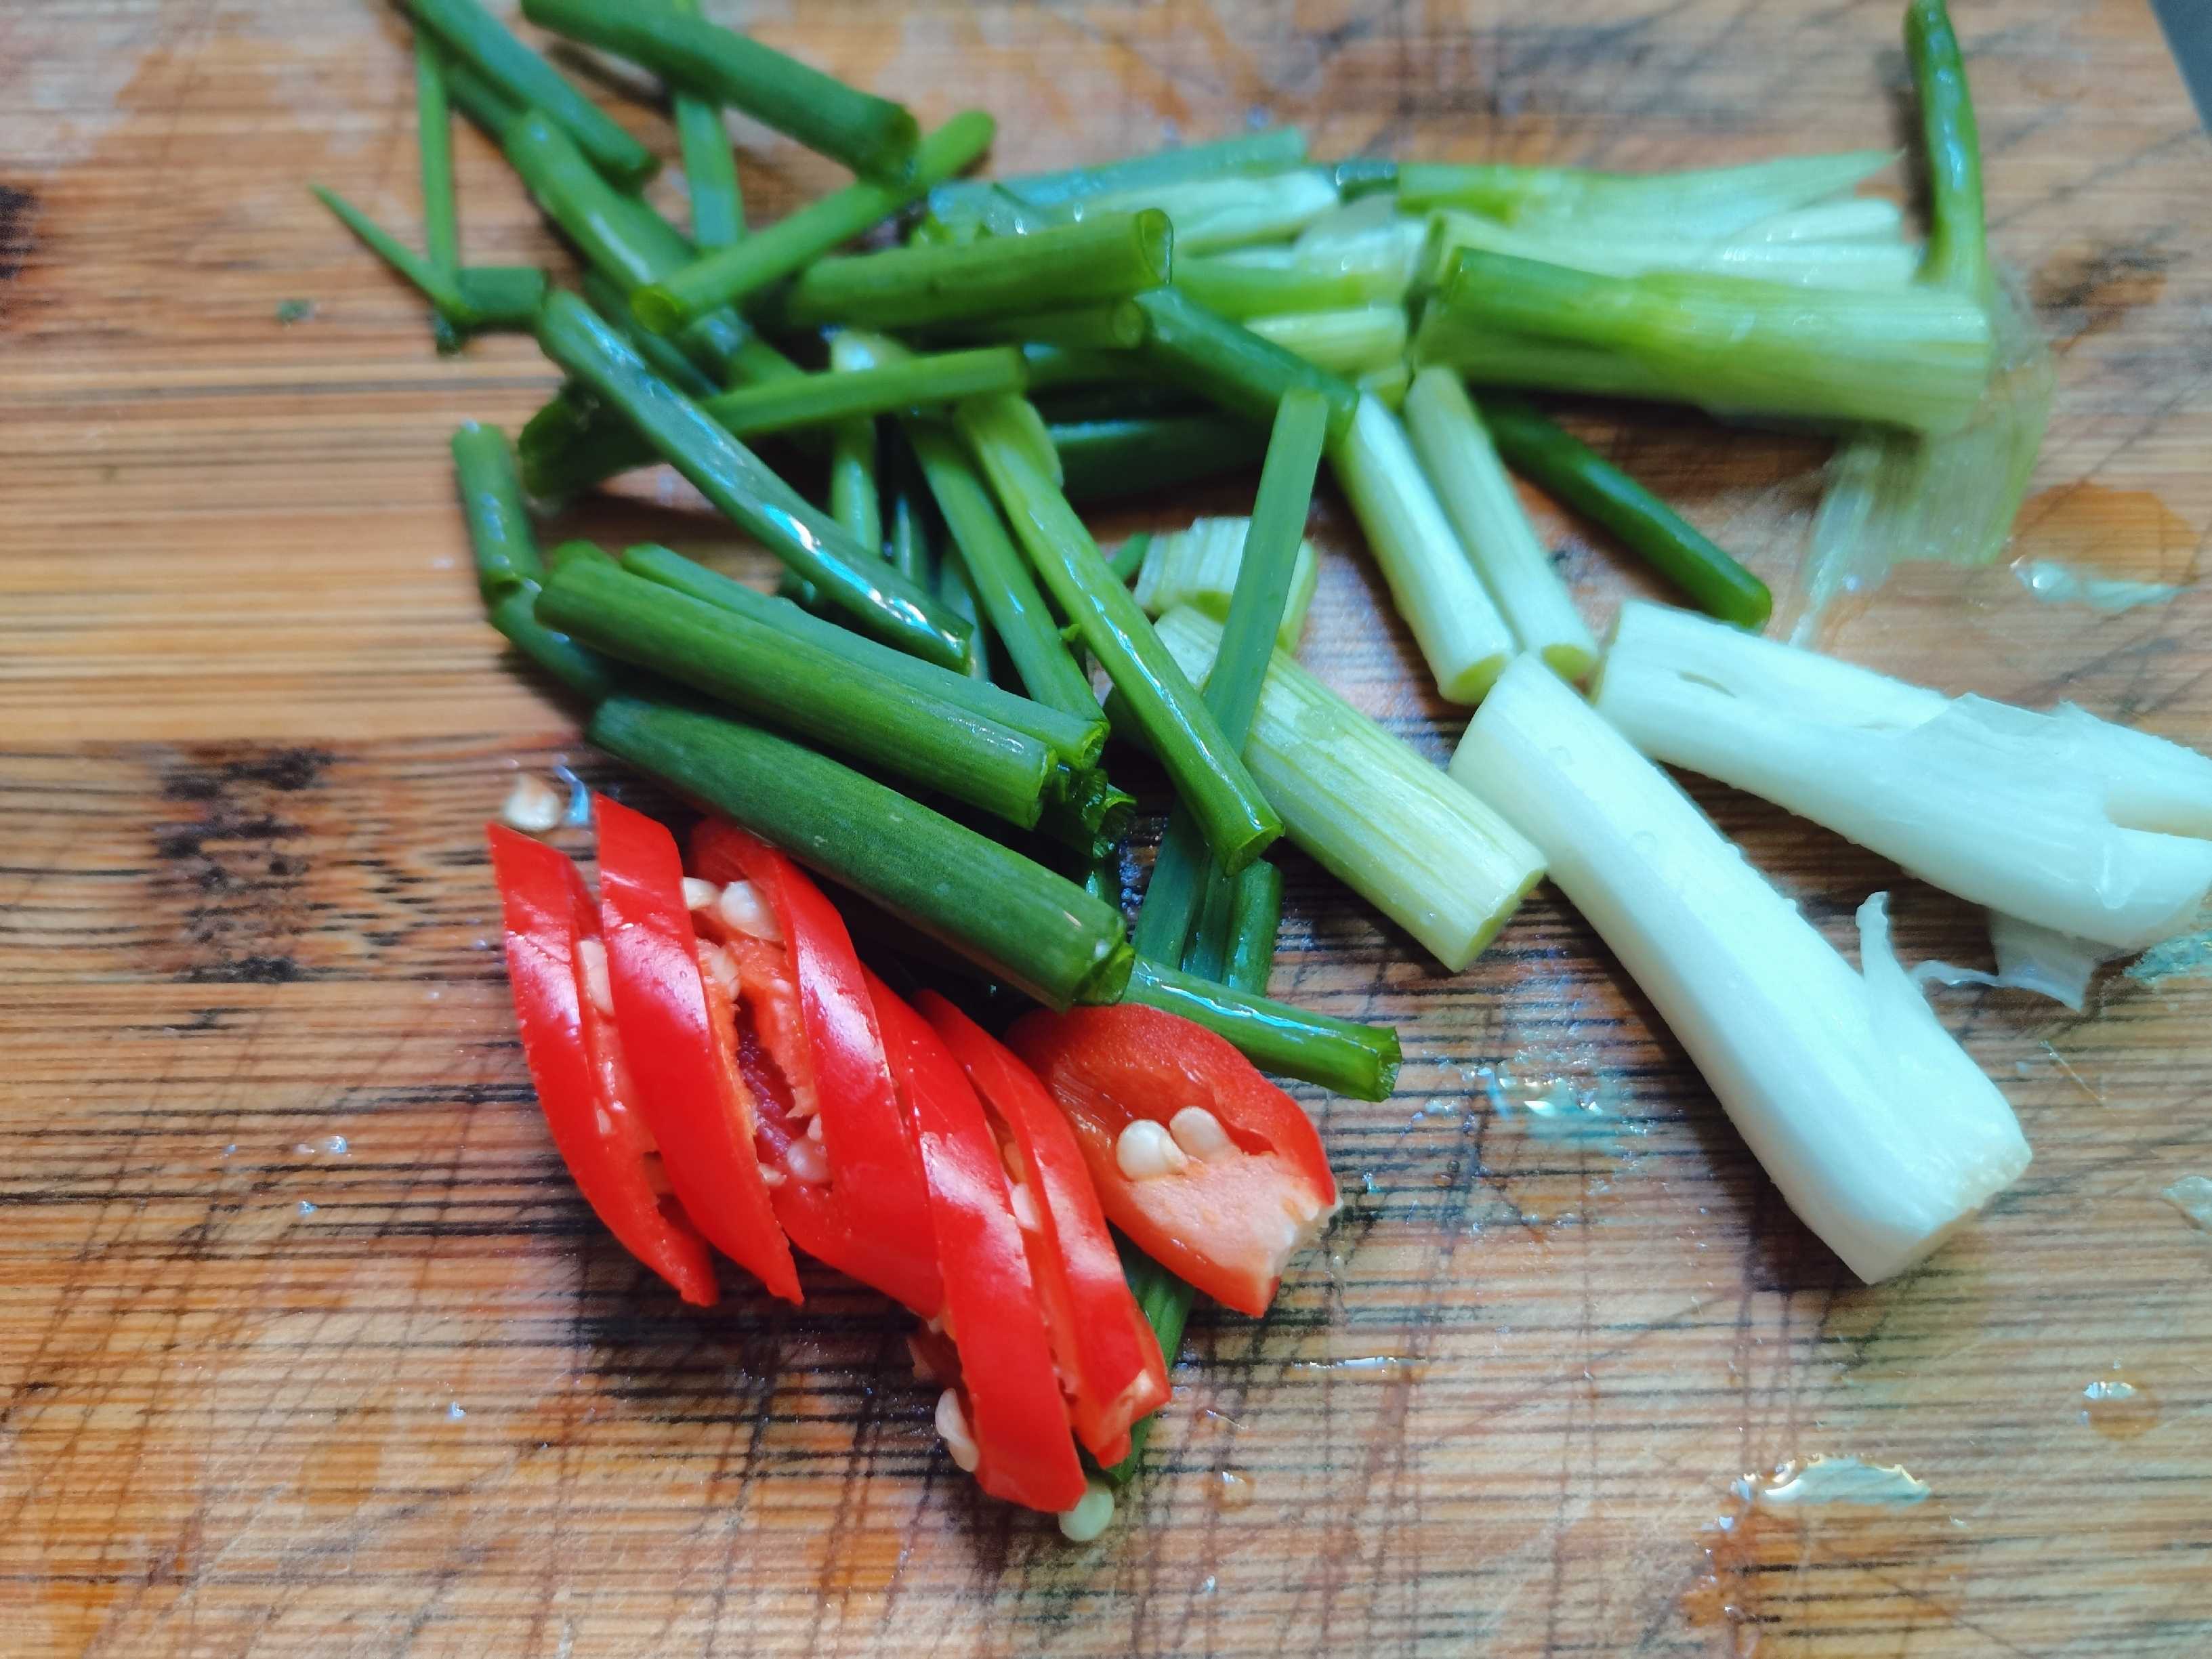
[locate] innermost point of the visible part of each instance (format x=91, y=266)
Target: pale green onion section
x=1353, y=342
x=1857, y=263
x=1456, y=623
x=1436, y=861
x=1198, y=566
x=1881, y=1133
x=1709, y=201
x=1456, y=451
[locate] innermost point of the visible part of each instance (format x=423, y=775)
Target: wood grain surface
x=307, y=1346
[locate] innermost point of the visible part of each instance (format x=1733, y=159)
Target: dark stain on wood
x=19, y=207
x=2087, y=290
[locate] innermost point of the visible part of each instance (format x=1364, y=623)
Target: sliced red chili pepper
x=871, y=1218
x=683, y=1058
x=1108, y=1359
x=1227, y=1217
x=1020, y=1420
x=576, y=1062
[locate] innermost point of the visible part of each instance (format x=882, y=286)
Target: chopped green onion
x=710, y=164
x=1953, y=498
x=1038, y=932
x=485, y=296
x=726, y=276
x=1490, y=357
x=576, y=448
x=1454, y=620
x=1250, y=155
x=1267, y=573
x=1274, y=282
x=776, y=677
x=1371, y=811
x=1577, y=476
x=907, y=540
x=854, y=501
x=441, y=232
x=1103, y=259
x=1349, y=342
x=853, y=578
x=1912, y=358
x=1711, y=202
x=1213, y=215
x=1230, y=365
x=1199, y=564
x=1361, y=176
x=522, y=78
x=2088, y=829
x=509, y=570
x=1237, y=824
x=1882, y=1134
x=1456, y=453
x=1074, y=739
x=1341, y=1055
x=872, y=136
x=1017, y=611
x=621, y=237
x=1599, y=247
x=1255, y=916
x=956, y=592
x=1117, y=325
x=1105, y=460
x=665, y=357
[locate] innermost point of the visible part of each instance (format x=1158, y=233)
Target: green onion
x=1713, y=201
x=1207, y=775
x=1601, y=247
x=509, y=570
x=1200, y=565
x=1052, y=366
x=486, y=296
x=1252, y=153
x=1255, y=916
x=907, y=544
x=664, y=357
x=872, y=136
x=522, y=78
x=626, y=241
x=1117, y=325
x=710, y=164
x=1351, y=343
x=1017, y=611
x=1456, y=453
x=1372, y=811
x=1951, y=498
x=441, y=232
x=853, y=578
x=1276, y=283
x=1038, y=933
x=1126, y=561
x=854, y=501
x=1341, y=1055
x=1574, y=475
x=956, y=592
x=1074, y=739
x=726, y=276
x=1267, y=573
x=1165, y=1301
x=775, y=676
x=1363, y=176
x=1213, y=215
x=575, y=448
x=1105, y=460
x=1464, y=640
x=1912, y=358
x=1206, y=953
x=1230, y=365
x=1100, y=259
x=1488, y=357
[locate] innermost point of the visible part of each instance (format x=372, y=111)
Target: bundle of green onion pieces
x=911, y=430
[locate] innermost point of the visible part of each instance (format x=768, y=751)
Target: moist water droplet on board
x=2120, y=1407
x=2192, y=1196
x=1816, y=1480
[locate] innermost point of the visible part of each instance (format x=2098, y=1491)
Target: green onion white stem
x=1198, y=565
x=1435, y=859
x=1880, y=1132
x=1454, y=620
x=2062, y=819
x=1461, y=462
x=1858, y=262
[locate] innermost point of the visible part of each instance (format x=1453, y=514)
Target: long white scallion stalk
x=1858, y=262
x=1454, y=620
x=1456, y=451
x=1878, y=1128
x=2061, y=819
x=1436, y=861
x=1710, y=202
x=1353, y=341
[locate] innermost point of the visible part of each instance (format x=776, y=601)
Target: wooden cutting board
x=307, y=1347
